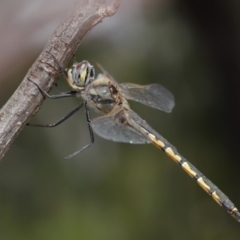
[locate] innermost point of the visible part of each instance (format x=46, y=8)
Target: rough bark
x=26, y=100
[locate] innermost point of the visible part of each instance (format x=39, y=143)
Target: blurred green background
x=123, y=191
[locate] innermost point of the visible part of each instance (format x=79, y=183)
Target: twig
x=26, y=100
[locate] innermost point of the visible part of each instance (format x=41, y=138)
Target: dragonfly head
x=80, y=75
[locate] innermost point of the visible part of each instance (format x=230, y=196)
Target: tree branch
x=26, y=100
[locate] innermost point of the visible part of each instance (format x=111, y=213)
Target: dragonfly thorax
x=101, y=90
x=80, y=75
x=101, y=94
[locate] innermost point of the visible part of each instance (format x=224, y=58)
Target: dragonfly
x=120, y=123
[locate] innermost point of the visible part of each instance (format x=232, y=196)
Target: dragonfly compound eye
x=81, y=74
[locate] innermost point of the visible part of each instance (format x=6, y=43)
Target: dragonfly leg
x=62, y=95
x=88, y=117
x=59, y=121
x=64, y=70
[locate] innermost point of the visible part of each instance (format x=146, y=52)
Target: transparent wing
x=152, y=95
x=115, y=127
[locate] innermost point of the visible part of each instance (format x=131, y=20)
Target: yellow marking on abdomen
x=157, y=143
x=172, y=155
x=234, y=210
x=203, y=184
x=216, y=198
x=188, y=170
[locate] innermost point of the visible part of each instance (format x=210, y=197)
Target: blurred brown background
x=123, y=191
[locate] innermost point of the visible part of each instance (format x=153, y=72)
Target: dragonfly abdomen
x=194, y=173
